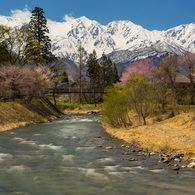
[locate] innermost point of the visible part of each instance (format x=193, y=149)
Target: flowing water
x=74, y=155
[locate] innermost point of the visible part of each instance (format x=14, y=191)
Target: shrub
x=116, y=106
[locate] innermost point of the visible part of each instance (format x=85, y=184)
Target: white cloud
x=24, y=14
x=68, y=17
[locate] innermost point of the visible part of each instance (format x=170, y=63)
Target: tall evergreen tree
x=40, y=41
x=105, y=70
x=109, y=72
x=115, y=75
x=93, y=69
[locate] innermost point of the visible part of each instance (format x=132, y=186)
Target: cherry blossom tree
x=20, y=81
x=144, y=68
x=43, y=79
x=15, y=81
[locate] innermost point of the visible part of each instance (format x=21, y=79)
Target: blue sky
x=150, y=14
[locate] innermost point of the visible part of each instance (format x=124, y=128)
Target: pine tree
x=93, y=69
x=109, y=72
x=106, y=70
x=103, y=69
x=40, y=41
x=115, y=75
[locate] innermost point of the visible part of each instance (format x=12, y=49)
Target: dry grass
x=174, y=135
x=14, y=115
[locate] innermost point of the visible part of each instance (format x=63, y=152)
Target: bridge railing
x=77, y=90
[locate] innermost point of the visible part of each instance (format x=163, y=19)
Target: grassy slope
x=15, y=114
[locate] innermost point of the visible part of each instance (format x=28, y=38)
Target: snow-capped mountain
x=124, y=41
x=120, y=35
x=183, y=35
x=12, y=22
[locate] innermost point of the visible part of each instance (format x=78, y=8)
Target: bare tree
x=167, y=72
x=81, y=60
x=187, y=65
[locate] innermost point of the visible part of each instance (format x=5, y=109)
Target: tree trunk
x=54, y=98
x=144, y=120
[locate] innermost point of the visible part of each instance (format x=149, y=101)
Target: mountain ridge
x=116, y=36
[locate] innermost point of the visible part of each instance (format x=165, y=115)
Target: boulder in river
x=176, y=167
x=133, y=159
x=93, y=112
x=192, y=164
x=109, y=147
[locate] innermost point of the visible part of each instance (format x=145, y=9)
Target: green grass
x=4, y=103
x=181, y=107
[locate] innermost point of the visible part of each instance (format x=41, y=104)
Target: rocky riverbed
x=173, y=139
x=154, y=160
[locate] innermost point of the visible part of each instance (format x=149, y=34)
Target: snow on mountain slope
x=9, y=21
x=117, y=36
x=120, y=35
x=183, y=35
x=139, y=52
x=126, y=34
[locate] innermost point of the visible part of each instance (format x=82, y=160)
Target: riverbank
x=170, y=136
x=18, y=114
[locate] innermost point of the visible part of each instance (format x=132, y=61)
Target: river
x=75, y=156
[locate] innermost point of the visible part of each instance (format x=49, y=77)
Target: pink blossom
x=43, y=79
x=145, y=68
x=16, y=81
x=20, y=81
